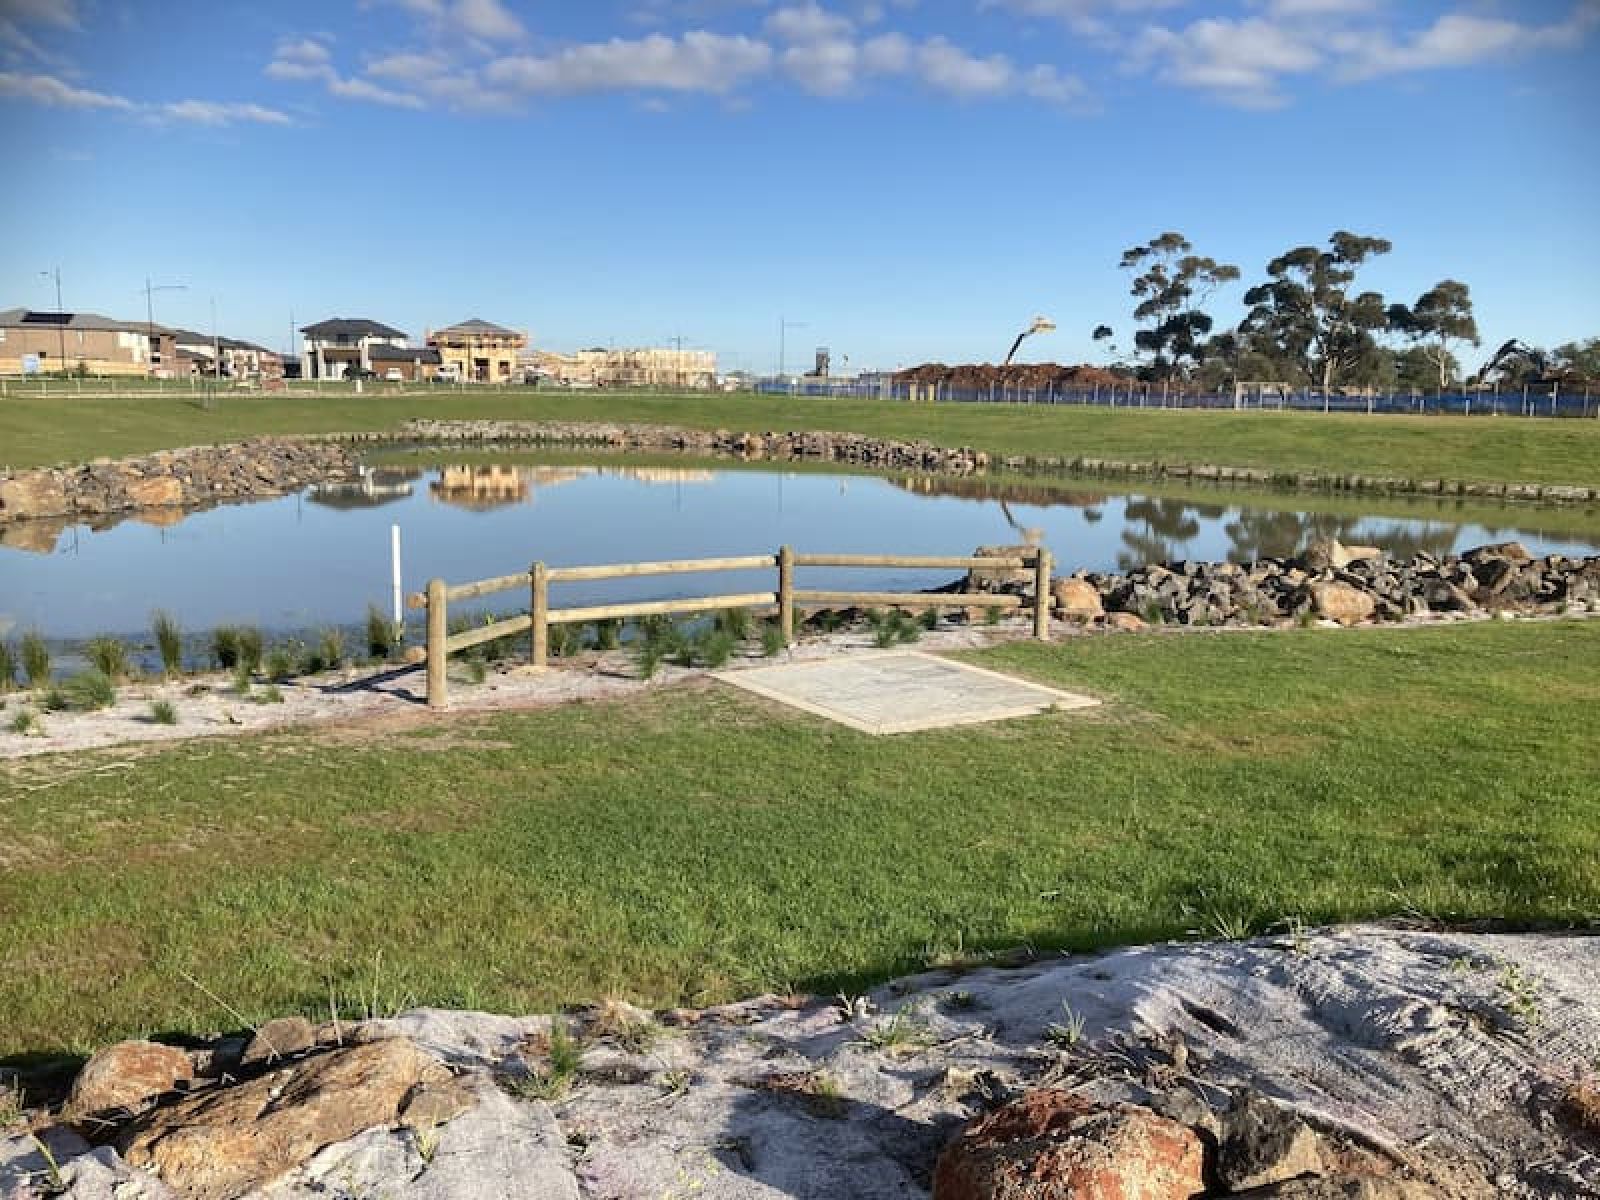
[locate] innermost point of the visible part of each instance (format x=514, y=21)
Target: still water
x=320, y=558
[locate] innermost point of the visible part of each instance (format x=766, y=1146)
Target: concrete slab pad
x=902, y=691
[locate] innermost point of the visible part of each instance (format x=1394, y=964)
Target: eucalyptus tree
x=1441, y=315
x=1305, y=313
x=1171, y=283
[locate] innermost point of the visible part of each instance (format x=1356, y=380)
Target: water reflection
x=299, y=562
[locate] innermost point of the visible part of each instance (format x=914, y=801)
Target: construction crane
x=1040, y=325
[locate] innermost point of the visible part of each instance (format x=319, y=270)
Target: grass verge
x=37, y=430
x=695, y=844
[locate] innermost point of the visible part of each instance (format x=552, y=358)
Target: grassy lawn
x=37, y=430
x=698, y=844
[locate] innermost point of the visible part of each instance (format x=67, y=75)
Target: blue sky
x=904, y=179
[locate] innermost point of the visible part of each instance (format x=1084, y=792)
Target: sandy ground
x=1439, y=1055
x=211, y=706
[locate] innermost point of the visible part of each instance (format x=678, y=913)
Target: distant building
x=341, y=344
x=478, y=351
x=239, y=360
x=49, y=342
x=641, y=368
x=412, y=364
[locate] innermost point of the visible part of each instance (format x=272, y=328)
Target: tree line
x=1308, y=324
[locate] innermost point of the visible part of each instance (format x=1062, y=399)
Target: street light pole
x=61, y=329
x=150, y=312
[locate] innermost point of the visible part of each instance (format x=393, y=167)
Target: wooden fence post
x=786, y=594
x=1041, y=595
x=438, y=632
x=539, y=609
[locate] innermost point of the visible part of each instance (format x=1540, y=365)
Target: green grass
x=38, y=430
x=697, y=844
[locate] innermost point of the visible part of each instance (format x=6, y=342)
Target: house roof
x=423, y=354
x=479, y=326
x=350, y=327
x=191, y=337
x=28, y=318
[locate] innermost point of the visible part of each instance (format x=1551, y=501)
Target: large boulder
x=1054, y=1145
x=1343, y=1187
x=33, y=494
x=994, y=579
x=222, y=1143
x=125, y=1077
x=1342, y=603
x=278, y=1039
x=1263, y=1143
x=159, y=492
x=1076, y=598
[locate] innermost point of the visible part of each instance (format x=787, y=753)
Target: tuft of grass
x=929, y=619
x=267, y=695
x=8, y=666
x=717, y=647
x=54, y=699
x=242, y=680
x=330, y=648
x=477, y=670
x=109, y=656
x=225, y=647
x=1067, y=1032
x=735, y=622
x=991, y=616
x=250, y=643
x=162, y=712
x=771, y=639
x=381, y=640
x=88, y=691
x=647, y=656
x=901, y=1033
x=554, y=1079
x=279, y=664
x=35, y=658
x=23, y=721
x=607, y=634
x=565, y=641
x=169, y=641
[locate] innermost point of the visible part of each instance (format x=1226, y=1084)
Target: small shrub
x=647, y=657
x=565, y=640
x=772, y=639
x=380, y=633
x=108, y=655
x=90, y=690
x=280, y=664
x=54, y=700
x=929, y=619
x=735, y=622
x=23, y=722
x=267, y=695
x=717, y=647
x=35, y=658
x=162, y=713
x=250, y=648
x=8, y=666
x=991, y=616
x=883, y=635
x=241, y=680
x=607, y=634
x=477, y=670
x=169, y=641
x=906, y=629
x=330, y=648
x=657, y=628
x=1152, y=613
x=1069, y=1031
x=225, y=647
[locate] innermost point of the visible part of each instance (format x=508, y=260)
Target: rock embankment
x=1347, y=584
x=1389, y=1064
x=187, y=478
x=820, y=445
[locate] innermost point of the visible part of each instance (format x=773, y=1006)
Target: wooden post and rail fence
x=536, y=622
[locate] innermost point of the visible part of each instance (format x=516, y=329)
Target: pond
x=317, y=559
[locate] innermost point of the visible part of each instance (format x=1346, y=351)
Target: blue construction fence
x=1541, y=401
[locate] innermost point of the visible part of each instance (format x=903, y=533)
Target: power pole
x=150, y=313
x=61, y=329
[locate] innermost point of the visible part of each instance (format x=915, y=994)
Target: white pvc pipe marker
x=394, y=559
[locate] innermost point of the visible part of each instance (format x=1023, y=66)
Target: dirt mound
x=1017, y=375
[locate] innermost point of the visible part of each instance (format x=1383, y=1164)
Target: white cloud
x=365, y=89
x=1239, y=61
x=948, y=68
x=213, y=112
x=53, y=93
x=487, y=19
x=695, y=62
x=299, y=59
x=410, y=67
x=808, y=23
x=825, y=68
x=62, y=14
x=1460, y=40
x=1088, y=17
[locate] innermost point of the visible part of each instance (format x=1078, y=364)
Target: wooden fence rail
x=441, y=643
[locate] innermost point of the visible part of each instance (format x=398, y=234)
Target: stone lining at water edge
x=265, y=467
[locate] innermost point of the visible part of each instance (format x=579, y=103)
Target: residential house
x=341, y=344
x=48, y=342
x=648, y=367
x=478, y=351
x=238, y=359
x=409, y=363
